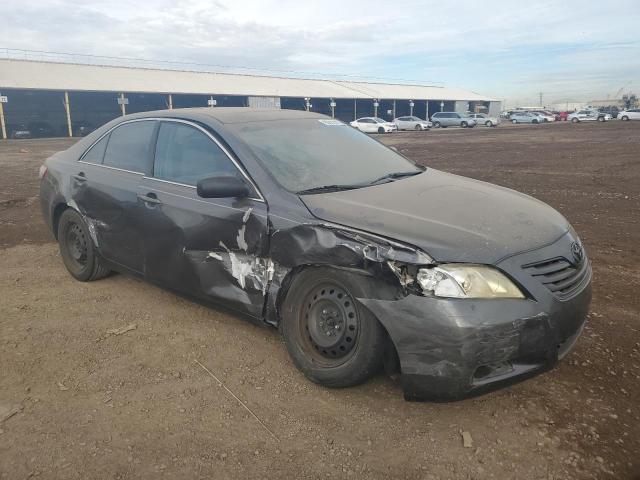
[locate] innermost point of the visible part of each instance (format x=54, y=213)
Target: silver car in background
x=631, y=114
x=373, y=125
x=484, y=119
x=588, y=115
x=452, y=119
x=411, y=123
x=525, y=117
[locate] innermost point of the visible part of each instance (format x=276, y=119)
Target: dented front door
x=211, y=248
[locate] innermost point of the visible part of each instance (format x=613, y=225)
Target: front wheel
x=464, y=124
x=534, y=121
x=380, y=130
x=601, y=119
x=77, y=250
x=574, y=120
x=331, y=338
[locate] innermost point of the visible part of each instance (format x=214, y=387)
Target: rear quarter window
x=130, y=147
x=95, y=154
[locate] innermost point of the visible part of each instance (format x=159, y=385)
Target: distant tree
x=630, y=100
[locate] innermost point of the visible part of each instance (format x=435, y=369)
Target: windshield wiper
x=393, y=176
x=328, y=188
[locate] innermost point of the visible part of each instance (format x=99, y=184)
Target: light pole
x=332, y=104
x=307, y=103
x=375, y=107
x=411, y=108
x=441, y=106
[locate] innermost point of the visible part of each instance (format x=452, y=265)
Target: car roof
x=231, y=114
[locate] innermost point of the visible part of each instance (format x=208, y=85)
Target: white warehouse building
x=54, y=98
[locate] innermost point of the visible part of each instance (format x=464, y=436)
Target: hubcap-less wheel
x=76, y=244
x=330, y=320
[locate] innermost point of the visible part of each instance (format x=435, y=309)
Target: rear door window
x=130, y=147
x=185, y=155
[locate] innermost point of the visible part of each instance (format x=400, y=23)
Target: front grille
x=559, y=275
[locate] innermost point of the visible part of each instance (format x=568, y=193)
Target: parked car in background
x=545, y=115
x=484, y=119
x=452, y=119
x=411, y=123
x=525, y=117
x=359, y=257
x=631, y=114
x=374, y=125
x=19, y=130
x=80, y=129
x=611, y=110
x=588, y=116
x=561, y=116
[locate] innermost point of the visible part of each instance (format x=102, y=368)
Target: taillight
x=43, y=172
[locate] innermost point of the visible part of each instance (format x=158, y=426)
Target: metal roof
x=28, y=74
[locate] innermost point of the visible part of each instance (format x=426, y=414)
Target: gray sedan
x=525, y=117
x=411, y=123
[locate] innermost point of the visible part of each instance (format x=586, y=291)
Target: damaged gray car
x=360, y=257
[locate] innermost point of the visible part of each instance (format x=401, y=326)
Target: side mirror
x=222, y=186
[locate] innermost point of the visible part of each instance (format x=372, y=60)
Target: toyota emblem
x=577, y=251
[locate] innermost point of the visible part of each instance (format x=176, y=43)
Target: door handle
x=150, y=198
x=80, y=177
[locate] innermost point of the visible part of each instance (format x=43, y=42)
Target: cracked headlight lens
x=466, y=281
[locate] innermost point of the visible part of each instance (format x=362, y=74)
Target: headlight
x=466, y=281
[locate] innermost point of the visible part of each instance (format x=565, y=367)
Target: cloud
x=502, y=48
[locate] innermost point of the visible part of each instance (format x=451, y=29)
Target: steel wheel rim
x=329, y=324
x=76, y=245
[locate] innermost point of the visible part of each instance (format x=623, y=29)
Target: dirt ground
x=77, y=402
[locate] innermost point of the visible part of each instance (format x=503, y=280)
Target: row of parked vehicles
x=582, y=115
x=438, y=120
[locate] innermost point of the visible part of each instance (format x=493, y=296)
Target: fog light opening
x=492, y=370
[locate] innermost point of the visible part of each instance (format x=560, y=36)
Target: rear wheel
x=331, y=338
x=464, y=124
x=625, y=118
x=380, y=130
x=77, y=250
x=514, y=121
x=601, y=119
x=488, y=123
x=418, y=127
x=534, y=121
x=574, y=120
x=436, y=125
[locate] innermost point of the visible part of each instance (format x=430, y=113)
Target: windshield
x=312, y=153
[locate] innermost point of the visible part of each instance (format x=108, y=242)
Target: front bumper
x=454, y=348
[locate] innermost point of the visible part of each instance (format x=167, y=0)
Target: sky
x=512, y=50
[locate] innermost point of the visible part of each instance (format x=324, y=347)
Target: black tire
x=77, y=250
x=380, y=130
x=331, y=338
x=436, y=125
x=574, y=120
x=464, y=124
x=601, y=119
x=534, y=121
x=488, y=123
x=418, y=127
x=625, y=118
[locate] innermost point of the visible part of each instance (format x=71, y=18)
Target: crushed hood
x=451, y=218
